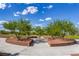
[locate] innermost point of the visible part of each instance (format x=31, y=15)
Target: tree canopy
x=22, y=26
x=56, y=28
x=61, y=28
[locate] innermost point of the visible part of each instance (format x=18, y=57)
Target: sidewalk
x=10, y=48
x=40, y=49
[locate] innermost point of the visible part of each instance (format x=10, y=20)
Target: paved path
x=10, y=48
x=43, y=49
x=39, y=49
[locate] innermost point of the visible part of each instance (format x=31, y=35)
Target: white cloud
x=2, y=5
x=3, y=21
x=24, y=12
x=30, y=10
x=44, y=7
x=78, y=23
x=48, y=18
x=49, y=6
x=9, y=6
x=17, y=13
x=27, y=19
x=41, y=20
x=38, y=25
x=28, y=3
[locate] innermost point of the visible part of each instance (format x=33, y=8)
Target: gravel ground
x=39, y=49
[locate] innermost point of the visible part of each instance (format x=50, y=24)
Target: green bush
x=61, y=28
x=72, y=37
x=4, y=32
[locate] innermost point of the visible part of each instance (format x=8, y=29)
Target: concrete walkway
x=10, y=48
x=39, y=49
x=43, y=49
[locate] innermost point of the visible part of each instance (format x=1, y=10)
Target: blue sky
x=39, y=14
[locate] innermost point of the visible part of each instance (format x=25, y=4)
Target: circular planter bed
x=60, y=42
x=23, y=42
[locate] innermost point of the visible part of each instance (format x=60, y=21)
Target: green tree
x=10, y=26
x=39, y=30
x=24, y=26
x=61, y=28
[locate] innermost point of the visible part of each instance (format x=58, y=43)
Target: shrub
x=61, y=28
x=72, y=37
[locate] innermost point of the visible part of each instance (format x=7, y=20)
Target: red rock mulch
x=13, y=40
x=60, y=42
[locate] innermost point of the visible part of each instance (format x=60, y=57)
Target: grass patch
x=72, y=37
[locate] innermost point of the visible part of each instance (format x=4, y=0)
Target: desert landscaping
x=39, y=29
x=49, y=41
